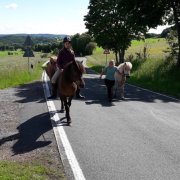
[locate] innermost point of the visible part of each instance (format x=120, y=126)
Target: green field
x=155, y=49
x=16, y=69
x=158, y=72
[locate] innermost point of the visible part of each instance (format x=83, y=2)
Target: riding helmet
x=66, y=39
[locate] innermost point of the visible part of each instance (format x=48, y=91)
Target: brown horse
x=68, y=81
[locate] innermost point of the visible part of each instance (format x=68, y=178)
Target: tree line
x=115, y=23
x=83, y=44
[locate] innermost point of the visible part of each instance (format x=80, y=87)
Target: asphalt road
x=133, y=139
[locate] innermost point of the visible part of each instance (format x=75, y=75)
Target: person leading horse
x=65, y=56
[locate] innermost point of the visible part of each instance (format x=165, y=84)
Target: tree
x=80, y=42
x=175, y=5
x=83, y=40
x=173, y=44
x=108, y=22
x=90, y=48
x=74, y=42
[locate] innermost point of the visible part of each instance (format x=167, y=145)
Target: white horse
x=120, y=78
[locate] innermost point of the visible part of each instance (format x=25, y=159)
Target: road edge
x=70, y=163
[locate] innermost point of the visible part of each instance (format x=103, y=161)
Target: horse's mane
x=128, y=64
x=53, y=59
x=78, y=67
x=81, y=67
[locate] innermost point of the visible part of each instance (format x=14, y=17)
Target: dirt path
x=26, y=133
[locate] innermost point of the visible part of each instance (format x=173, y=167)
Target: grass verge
x=17, y=76
x=160, y=75
x=23, y=171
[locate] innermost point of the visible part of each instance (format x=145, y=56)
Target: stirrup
x=80, y=96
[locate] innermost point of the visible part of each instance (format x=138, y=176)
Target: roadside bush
x=10, y=53
x=90, y=48
x=45, y=55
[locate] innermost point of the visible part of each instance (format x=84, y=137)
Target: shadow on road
x=31, y=92
x=95, y=92
x=31, y=134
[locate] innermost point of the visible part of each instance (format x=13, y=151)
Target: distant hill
x=11, y=39
x=167, y=30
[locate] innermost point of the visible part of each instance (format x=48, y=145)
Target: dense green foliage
x=82, y=44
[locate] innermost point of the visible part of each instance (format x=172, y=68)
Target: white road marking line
x=78, y=174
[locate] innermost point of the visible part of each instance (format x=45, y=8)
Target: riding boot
x=78, y=95
x=54, y=91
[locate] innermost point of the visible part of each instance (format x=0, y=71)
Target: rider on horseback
x=65, y=56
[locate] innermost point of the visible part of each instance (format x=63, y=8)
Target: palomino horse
x=120, y=78
x=68, y=81
x=50, y=66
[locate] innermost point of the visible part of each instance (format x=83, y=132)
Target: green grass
x=155, y=48
x=158, y=72
x=160, y=75
x=23, y=171
x=14, y=69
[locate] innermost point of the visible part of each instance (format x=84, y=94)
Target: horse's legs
x=62, y=104
x=122, y=91
x=67, y=111
x=116, y=88
x=69, y=100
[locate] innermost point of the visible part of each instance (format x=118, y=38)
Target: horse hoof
x=62, y=110
x=69, y=123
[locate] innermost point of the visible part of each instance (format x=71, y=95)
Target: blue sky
x=43, y=16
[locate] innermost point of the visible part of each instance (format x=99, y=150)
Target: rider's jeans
x=55, y=76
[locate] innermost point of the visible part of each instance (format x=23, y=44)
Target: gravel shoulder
x=26, y=134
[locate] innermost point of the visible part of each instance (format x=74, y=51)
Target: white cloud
x=11, y=6
x=159, y=29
